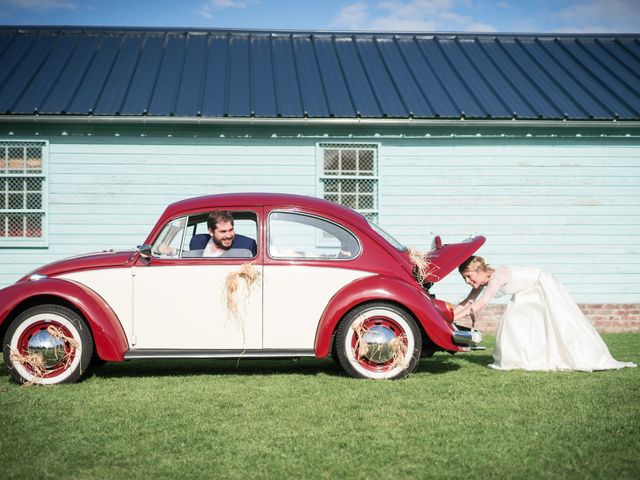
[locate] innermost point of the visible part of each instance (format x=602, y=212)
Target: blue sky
x=540, y=16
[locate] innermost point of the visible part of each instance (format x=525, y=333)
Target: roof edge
x=248, y=31
x=279, y=121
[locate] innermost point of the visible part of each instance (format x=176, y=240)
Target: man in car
x=221, y=241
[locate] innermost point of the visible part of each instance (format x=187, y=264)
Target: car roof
x=249, y=200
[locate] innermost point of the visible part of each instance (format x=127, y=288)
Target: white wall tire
x=64, y=359
x=378, y=341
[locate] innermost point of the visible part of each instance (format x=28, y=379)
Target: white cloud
x=601, y=16
x=41, y=6
x=412, y=15
x=209, y=8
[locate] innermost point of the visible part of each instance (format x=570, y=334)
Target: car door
x=184, y=302
x=307, y=261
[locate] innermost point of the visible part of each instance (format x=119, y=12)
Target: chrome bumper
x=469, y=338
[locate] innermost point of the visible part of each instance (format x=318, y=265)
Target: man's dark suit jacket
x=199, y=242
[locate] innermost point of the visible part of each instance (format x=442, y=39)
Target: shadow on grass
x=194, y=367
x=438, y=364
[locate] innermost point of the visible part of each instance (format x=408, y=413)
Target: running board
x=171, y=353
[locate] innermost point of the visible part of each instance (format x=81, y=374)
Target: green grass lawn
x=453, y=418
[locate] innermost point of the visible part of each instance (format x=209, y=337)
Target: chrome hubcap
x=378, y=340
x=50, y=348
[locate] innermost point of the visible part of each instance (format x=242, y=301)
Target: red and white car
x=322, y=281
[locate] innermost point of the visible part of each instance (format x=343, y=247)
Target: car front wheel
x=47, y=345
x=378, y=341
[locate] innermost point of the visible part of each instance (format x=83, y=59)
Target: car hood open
x=445, y=257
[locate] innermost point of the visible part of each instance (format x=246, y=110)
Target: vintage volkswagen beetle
x=321, y=281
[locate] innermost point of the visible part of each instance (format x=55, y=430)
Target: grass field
x=453, y=418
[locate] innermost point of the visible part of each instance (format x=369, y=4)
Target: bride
x=542, y=327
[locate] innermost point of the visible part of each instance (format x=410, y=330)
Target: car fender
x=383, y=288
x=108, y=335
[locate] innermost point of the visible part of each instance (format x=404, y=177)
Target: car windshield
x=395, y=243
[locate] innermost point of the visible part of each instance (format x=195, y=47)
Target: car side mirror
x=145, y=252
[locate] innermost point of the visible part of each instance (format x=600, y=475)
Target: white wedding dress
x=542, y=327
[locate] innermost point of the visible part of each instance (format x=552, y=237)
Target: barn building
x=530, y=140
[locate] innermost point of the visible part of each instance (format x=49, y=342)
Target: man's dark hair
x=218, y=216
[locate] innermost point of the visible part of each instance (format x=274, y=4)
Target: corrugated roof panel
x=26, y=70
x=216, y=80
x=383, y=87
x=286, y=79
x=239, y=75
x=11, y=57
x=95, y=78
x=314, y=96
x=596, y=82
x=338, y=96
x=263, y=90
x=461, y=52
x=163, y=100
x=500, y=83
x=598, y=78
x=364, y=100
x=546, y=88
x=138, y=95
x=215, y=73
x=432, y=88
x=461, y=96
x=66, y=85
x=618, y=86
x=622, y=54
x=193, y=77
x=403, y=79
x=571, y=83
x=119, y=79
x=46, y=77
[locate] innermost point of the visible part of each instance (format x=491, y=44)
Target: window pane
x=34, y=226
x=365, y=162
x=16, y=159
x=293, y=235
x=366, y=202
x=34, y=184
x=349, y=164
x=15, y=226
x=16, y=201
x=331, y=162
x=34, y=159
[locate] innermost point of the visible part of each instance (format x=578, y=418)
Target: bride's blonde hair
x=473, y=264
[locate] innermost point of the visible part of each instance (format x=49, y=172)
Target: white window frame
x=357, y=176
x=24, y=241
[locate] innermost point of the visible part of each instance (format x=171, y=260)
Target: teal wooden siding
x=571, y=207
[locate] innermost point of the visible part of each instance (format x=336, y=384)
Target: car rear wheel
x=47, y=345
x=378, y=341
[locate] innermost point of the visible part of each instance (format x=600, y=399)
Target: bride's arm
x=463, y=308
x=497, y=280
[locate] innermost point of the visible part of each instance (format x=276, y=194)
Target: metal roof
x=149, y=72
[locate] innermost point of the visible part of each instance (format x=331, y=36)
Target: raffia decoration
x=34, y=361
x=249, y=276
x=72, y=342
x=30, y=360
x=422, y=266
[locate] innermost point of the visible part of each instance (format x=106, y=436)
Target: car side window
x=169, y=241
x=297, y=235
x=188, y=237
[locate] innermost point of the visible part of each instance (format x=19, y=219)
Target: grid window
x=349, y=177
x=22, y=192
